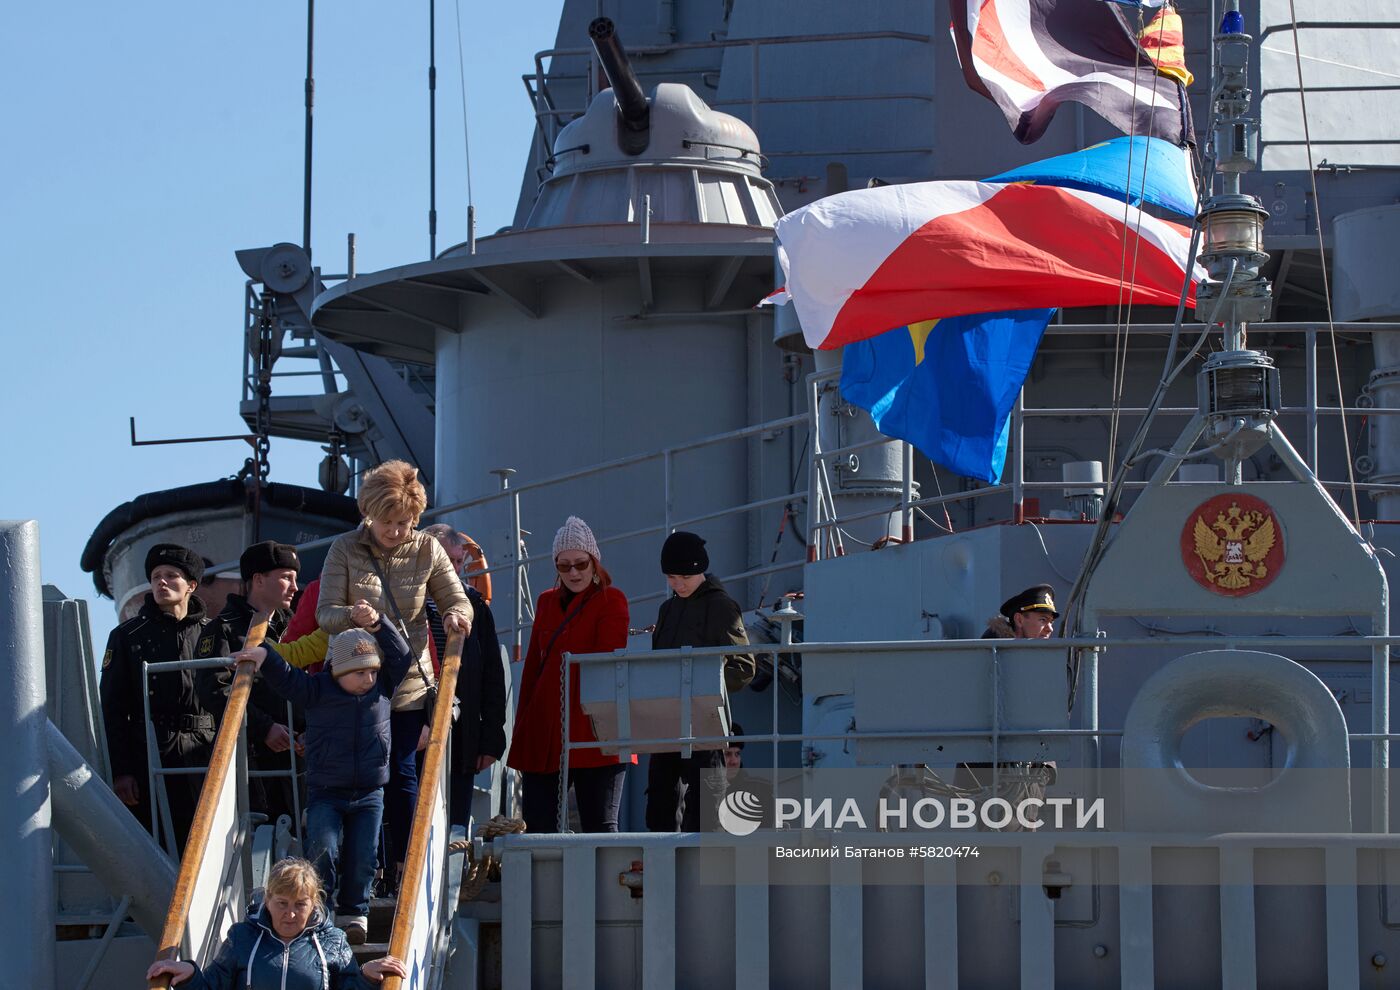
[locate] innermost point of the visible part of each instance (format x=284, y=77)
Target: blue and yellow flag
x=947, y=386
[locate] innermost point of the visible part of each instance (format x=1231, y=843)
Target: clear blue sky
x=144, y=144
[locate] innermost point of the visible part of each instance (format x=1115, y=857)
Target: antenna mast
x=310, y=102
x=432, y=129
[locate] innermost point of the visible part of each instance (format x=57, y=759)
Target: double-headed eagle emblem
x=1232, y=549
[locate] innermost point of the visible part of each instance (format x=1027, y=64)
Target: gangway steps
x=381, y=921
x=211, y=870
x=370, y=951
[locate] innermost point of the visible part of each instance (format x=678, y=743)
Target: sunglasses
x=565, y=568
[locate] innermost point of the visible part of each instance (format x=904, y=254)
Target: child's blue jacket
x=347, y=735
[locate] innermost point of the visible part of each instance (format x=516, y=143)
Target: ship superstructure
x=603, y=357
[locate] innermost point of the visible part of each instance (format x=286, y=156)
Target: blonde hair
x=295, y=878
x=392, y=489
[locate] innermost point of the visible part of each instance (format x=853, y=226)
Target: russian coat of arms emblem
x=1232, y=544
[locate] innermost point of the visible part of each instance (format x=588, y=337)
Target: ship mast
x=1238, y=388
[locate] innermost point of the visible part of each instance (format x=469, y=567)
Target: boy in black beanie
x=698, y=613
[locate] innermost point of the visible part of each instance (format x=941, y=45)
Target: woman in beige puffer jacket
x=415, y=566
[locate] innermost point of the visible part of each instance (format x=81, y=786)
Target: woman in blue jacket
x=287, y=943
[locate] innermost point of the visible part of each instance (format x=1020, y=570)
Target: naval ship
x=1235, y=746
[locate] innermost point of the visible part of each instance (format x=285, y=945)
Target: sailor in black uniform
x=269, y=572
x=167, y=628
x=1029, y=615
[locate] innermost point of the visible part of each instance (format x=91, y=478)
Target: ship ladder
x=213, y=881
x=208, y=896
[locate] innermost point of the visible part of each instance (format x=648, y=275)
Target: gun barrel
x=632, y=108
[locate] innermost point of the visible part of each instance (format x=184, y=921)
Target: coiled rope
x=478, y=871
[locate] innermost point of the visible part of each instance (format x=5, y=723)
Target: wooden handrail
x=415, y=861
x=225, y=747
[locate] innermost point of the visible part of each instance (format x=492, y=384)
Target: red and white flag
x=863, y=262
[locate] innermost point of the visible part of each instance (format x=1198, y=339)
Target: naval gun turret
x=623, y=307
x=633, y=111
x=667, y=158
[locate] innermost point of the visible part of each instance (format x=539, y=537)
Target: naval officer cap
x=1037, y=598
x=268, y=555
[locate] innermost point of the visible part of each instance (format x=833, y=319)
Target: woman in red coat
x=583, y=613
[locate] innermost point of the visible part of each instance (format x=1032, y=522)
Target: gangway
x=217, y=872
x=428, y=889
x=200, y=912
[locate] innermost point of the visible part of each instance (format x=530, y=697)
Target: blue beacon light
x=1232, y=23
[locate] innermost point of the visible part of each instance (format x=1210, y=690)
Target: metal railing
x=99, y=954
x=550, y=118
x=516, y=565
x=836, y=928
x=221, y=764
x=1285, y=28
x=421, y=911
x=1090, y=649
x=423, y=842
x=156, y=773
x=686, y=740
x=824, y=523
